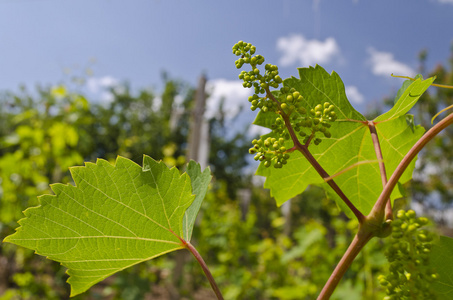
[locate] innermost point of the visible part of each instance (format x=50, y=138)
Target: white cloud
x=96, y=84
x=235, y=97
x=353, y=94
x=297, y=49
x=99, y=87
x=231, y=92
x=384, y=64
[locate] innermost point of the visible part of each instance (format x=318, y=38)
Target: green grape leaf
x=407, y=99
x=441, y=259
x=318, y=86
x=200, y=182
x=114, y=217
x=350, y=146
x=404, y=86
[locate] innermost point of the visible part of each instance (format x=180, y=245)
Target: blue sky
x=364, y=41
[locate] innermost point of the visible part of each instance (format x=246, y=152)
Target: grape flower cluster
x=410, y=276
x=286, y=102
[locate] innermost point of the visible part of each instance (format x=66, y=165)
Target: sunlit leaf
x=349, y=145
x=115, y=217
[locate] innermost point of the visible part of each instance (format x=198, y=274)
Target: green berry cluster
x=316, y=120
x=269, y=151
x=408, y=254
x=286, y=102
x=254, y=78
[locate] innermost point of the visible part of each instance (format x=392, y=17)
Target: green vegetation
x=117, y=213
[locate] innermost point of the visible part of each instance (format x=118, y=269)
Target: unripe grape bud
x=410, y=214
x=401, y=214
x=422, y=221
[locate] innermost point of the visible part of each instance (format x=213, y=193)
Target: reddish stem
x=205, y=268
x=377, y=150
x=354, y=249
x=306, y=153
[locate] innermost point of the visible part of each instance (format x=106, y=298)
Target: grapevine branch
x=365, y=234
x=348, y=257
x=321, y=171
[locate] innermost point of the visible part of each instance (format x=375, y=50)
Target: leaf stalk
x=378, y=151
x=205, y=268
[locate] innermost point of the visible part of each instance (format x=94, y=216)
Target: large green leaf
x=115, y=217
x=351, y=144
x=441, y=259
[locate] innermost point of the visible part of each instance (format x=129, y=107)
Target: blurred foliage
x=432, y=185
x=252, y=257
x=431, y=188
x=255, y=250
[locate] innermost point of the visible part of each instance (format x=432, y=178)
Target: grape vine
x=411, y=275
x=121, y=214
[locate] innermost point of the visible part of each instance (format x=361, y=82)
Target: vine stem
x=205, y=268
x=321, y=171
x=357, y=244
x=378, y=151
